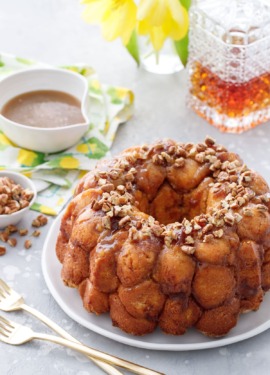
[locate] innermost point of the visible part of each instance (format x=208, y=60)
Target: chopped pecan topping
x=189, y=240
x=102, y=181
x=11, y=229
x=180, y=152
x=247, y=211
x=23, y=232
x=158, y=159
x=114, y=174
x=107, y=187
x=200, y=158
x=179, y=163
x=36, y=233
x=261, y=207
x=218, y=233
x=157, y=230
x=2, y=250
x=12, y=242
x=238, y=217
x=167, y=157
x=207, y=228
x=126, y=219
x=13, y=197
x=4, y=236
x=95, y=205
x=106, y=222
x=209, y=141
x=121, y=189
x=201, y=147
x=40, y=221
x=172, y=150
x=229, y=219
x=27, y=244
x=188, y=249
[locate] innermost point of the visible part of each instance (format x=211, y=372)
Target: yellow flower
x=117, y=17
x=162, y=19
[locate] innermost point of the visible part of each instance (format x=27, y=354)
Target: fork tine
x=3, y=293
x=3, y=334
x=4, y=286
x=5, y=328
x=6, y=322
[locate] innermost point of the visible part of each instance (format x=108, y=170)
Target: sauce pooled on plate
x=44, y=109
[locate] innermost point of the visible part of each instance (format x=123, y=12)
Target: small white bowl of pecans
x=17, y=194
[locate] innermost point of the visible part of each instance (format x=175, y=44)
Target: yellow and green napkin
x=55, y=175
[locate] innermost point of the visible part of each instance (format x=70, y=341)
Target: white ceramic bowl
x=44, y=139
x=25, y=182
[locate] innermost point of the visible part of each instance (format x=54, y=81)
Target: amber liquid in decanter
x=229, y=67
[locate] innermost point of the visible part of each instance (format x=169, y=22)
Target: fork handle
x=107, y=368
x=137, y=369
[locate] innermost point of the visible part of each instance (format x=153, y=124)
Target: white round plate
x=249, y=325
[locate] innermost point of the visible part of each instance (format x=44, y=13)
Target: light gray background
x=52, y=31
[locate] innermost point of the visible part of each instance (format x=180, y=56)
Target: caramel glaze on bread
x=172, y=235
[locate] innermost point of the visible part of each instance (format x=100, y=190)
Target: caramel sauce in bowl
x=38, y=108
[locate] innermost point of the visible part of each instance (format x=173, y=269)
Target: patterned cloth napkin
x=56, y=175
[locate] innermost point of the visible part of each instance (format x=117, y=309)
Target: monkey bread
x=174, y=235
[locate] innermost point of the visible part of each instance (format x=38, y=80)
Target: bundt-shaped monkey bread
x=172, y=235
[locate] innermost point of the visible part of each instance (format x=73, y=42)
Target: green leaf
x=133, y=47
x=186, y=3
x=181, y=47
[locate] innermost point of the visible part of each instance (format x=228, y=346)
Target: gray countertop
x=52, y=31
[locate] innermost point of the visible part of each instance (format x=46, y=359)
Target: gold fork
x=10, y=300
x=17, y=334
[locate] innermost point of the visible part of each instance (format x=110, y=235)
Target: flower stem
x=157, y=57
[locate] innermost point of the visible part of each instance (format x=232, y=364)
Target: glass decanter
x=229, y=62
